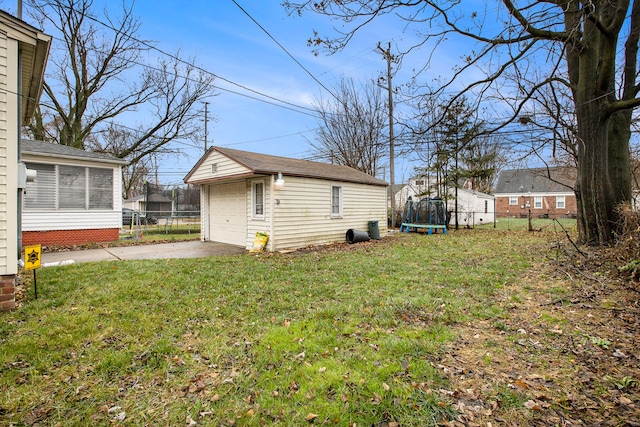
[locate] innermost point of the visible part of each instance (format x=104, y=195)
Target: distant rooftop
x=539, y=180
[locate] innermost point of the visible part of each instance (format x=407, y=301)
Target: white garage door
x=228, y=213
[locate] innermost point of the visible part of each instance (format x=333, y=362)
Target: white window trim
x=512, y=199
x=341, y=198
x=537, y=199
x=561, y=205
x=253, y=200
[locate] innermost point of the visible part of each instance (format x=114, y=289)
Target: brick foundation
x=7, y=292
x=69, y=237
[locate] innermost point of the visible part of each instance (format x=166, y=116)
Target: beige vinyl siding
x=303, y=216
x=225, y=167
x=3, y=154
x=8, y=156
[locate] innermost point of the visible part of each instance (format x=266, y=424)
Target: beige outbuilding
x=297, y=203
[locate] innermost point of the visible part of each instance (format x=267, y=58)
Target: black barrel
x=355, y=236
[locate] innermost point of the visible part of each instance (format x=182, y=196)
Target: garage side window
x=257, y=208
x=336, y=201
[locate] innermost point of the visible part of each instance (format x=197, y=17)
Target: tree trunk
x=597, y=215
x=620, y=156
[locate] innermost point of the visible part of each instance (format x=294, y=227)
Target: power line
x=177, y=58
x=285, y=50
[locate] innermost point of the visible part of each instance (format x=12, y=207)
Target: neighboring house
x=154, y=204
x=76, y=198
x=474, y=207
x=545, y=192
x=23, y=55
x=310, y=204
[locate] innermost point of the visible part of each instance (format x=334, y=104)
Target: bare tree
x=583, y=37
x=93, y=78
x=351, y=127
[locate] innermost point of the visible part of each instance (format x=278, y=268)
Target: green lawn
x=335, y=337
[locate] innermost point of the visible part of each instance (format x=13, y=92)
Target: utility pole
x=388, y=57
x=206, y=121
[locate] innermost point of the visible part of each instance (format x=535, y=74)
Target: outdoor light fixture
x=279, y=182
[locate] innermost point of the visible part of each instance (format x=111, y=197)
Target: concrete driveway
x=188, y=249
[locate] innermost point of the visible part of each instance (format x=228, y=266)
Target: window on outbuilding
x=336, y=201
x=61, y=187
x=257, y=197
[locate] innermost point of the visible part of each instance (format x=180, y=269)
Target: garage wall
x=303, y=216
x=217, y=166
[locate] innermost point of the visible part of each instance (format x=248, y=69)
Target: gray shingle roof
x=540, y=180
x=48, y=149
x=271, y=165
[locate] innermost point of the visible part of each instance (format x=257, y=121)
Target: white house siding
x=8, y=156
x=224, y=167
x=70, y=219
x=303, y=216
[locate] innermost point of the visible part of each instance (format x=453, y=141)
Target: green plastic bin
x=374, y=231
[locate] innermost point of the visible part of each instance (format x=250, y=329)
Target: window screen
x=42, y=193
x=100, y=188
x=72, y=187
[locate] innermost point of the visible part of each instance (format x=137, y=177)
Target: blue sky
x=226, y=42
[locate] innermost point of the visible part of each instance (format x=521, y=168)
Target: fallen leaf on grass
x=531, y=404
x=311, y=417
x=119, y=417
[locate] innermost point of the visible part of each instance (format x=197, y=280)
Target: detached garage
x=296, y=202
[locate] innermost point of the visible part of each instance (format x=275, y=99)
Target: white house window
x=336, y=201
x=560, y=204
x=42, y=194
x=100, y=188
x=70, y=187
x=537, y=202
x=513, y=200
x=257, y=208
